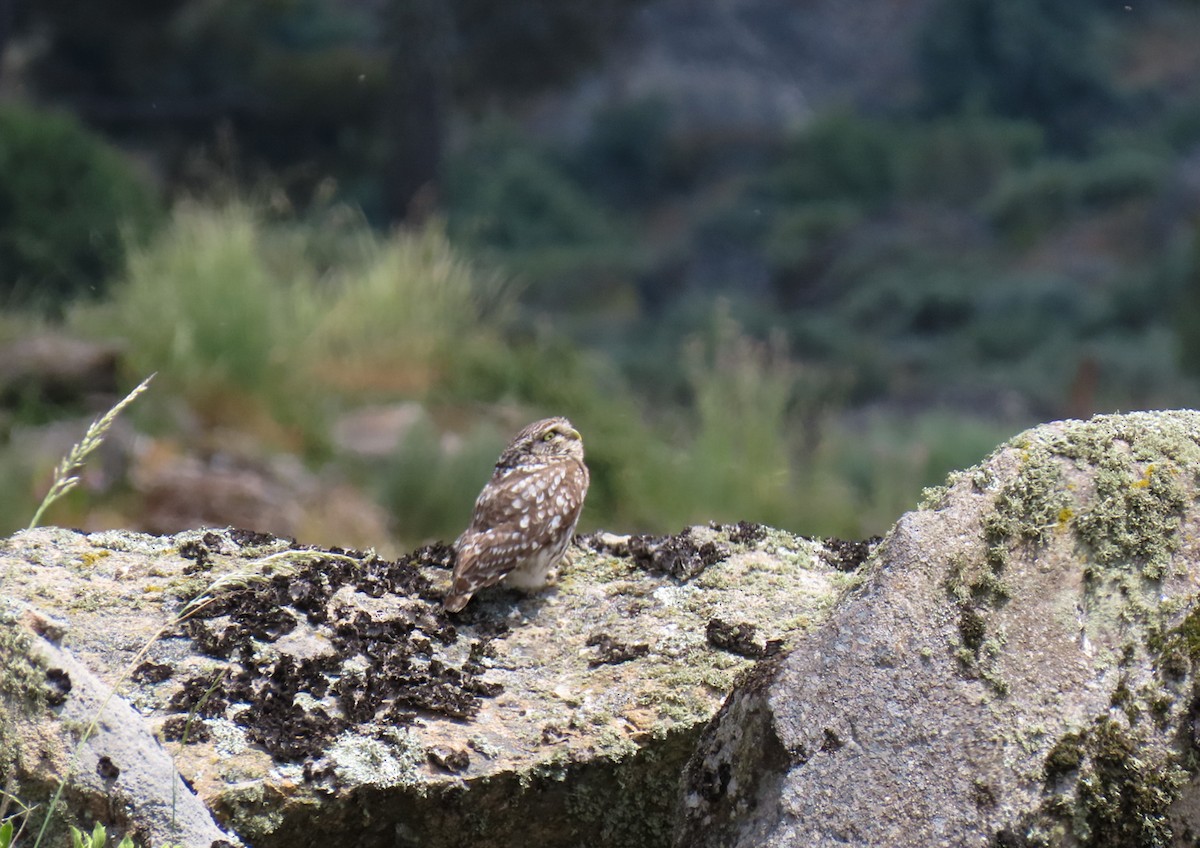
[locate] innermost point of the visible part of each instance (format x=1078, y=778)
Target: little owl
x=526, y=514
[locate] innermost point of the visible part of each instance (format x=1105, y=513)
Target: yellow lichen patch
x=1144, y=482
x=90, y=558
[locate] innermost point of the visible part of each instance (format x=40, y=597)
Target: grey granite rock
x=1018, y=668
x=61, y=725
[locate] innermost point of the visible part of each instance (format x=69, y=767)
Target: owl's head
x=550, y=438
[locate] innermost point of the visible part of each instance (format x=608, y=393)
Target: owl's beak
x=574, y=434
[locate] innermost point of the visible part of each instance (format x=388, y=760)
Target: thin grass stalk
x=65, y=476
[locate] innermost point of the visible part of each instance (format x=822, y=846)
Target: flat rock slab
x=309, y=695
x=1019, y=667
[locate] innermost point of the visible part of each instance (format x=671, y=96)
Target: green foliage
x=627, y=157
x=802, y=236
x=209, y=305
x=1182, y=126
x=740, y=464
x=1028, y=203
x=1187, y=313
x=508, y=195
x=845, y=159
x=68, y=203
x=304, y=83
x=864, y=472
x=301, y=76
x=1030, y=59
x=521, y=207
x=961, y=158
x=431, y=482
x=401, y=311
x=839, y=157
x=256, y=322
x=98, y=838
x=846, y=172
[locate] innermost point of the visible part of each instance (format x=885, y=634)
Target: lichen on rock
x=318, y=693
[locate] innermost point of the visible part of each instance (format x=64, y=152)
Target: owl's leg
x=566, y=559
x=533, y=574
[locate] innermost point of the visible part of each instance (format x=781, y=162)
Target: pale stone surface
x=587, y=699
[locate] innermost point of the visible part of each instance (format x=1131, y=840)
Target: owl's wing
x=514, y=493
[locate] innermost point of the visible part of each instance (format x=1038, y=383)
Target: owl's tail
x=454, y=600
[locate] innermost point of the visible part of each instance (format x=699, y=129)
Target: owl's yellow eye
x=549, y=437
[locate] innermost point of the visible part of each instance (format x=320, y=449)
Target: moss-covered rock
x=1019, y=668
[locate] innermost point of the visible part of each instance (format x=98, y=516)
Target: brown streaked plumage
x=525, y=516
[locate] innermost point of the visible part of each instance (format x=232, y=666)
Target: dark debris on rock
x=742, y=533
x=680, y=556
x=452, y=760
x=609, y=651
x=740, y=639
x=848, y=556
x=58, y=686
x=398, y=672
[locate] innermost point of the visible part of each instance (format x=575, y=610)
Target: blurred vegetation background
x=783, y=262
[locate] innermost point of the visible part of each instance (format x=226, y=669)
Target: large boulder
x=314, y=697
x=1019, y=667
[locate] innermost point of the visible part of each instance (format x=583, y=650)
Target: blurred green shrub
x=1028, y=203
x=742, y=461
x=828, y=180
x=1015, y=318
x=207, y=305
x=768, y=438
x=839, y=157
x=401, y=314
x=229, y=307
x=961, y=158
x=909, y=302
x=845, y=172
x=1182, y=126
x=506, y=194
x=68, y=204
x=519, y=206
x=626, y=157
x=430, y=485
x=1030, y=59
x=1187, y=312
x=801, y=238
x=843, y=158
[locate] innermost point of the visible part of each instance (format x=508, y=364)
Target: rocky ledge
x=305, y=694
x=1014, y=665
